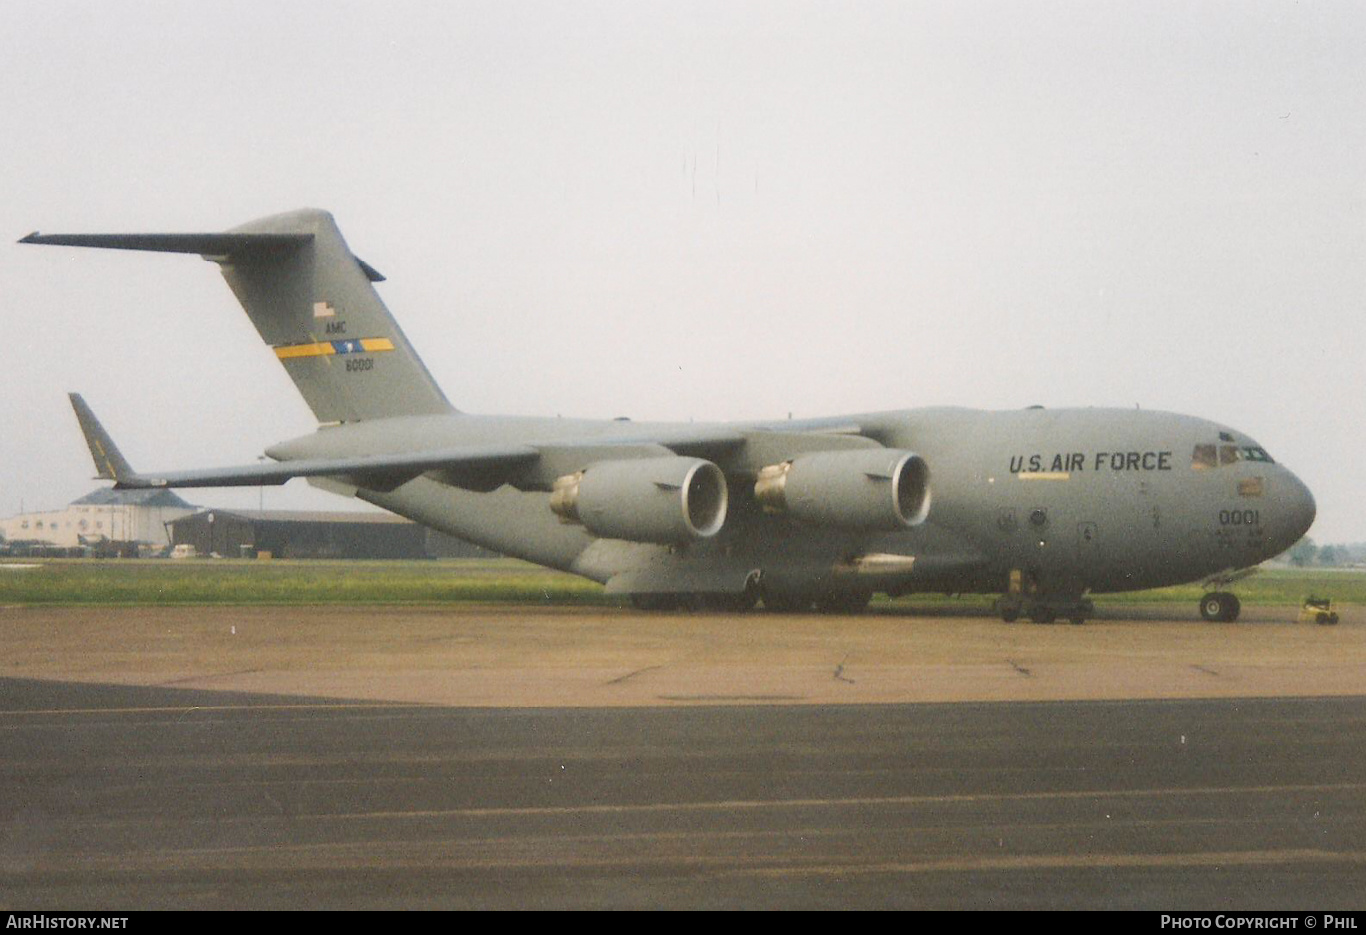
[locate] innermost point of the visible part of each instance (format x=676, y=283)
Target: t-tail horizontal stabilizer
x=211, y=245
x=230, y=244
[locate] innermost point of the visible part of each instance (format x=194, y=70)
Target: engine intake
x=662, y=500
x=879, y=489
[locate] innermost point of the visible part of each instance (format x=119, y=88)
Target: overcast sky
x=699, y=210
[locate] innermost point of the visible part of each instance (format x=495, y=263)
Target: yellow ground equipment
x=1318, y=610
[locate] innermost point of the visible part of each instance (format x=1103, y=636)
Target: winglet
x=109, y=462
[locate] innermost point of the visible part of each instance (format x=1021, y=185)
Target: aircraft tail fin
x=110, y=464
x=313, y=303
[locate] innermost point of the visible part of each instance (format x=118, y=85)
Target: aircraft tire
x=1043, y=615
x=786, y=603
x=658, y=602
x=1220, y=607
x=740, y=603
x=1010, y=614
x=850, y=602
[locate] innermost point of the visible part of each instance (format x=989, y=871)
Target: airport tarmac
x=511, y=757
x=516, y=656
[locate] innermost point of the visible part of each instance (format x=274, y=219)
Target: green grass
x=1268, y=587
x=230, y=581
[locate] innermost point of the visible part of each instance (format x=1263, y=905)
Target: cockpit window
x=1205, y=457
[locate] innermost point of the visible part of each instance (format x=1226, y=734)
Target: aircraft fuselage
x=1058, y=502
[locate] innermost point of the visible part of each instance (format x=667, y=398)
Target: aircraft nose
x=1297, y=511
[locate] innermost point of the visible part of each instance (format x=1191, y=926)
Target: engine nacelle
x=875, y=489
x=663, y=500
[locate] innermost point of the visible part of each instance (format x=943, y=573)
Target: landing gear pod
x=668, y=501
x=880, y=489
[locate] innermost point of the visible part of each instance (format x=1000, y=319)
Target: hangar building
x=105, y=514
x=298, y=534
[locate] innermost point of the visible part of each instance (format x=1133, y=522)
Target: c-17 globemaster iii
x=1043, y=507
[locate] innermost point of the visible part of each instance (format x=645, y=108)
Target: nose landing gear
x=1220, y=606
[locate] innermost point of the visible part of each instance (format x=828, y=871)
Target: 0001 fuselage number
x=359, y=364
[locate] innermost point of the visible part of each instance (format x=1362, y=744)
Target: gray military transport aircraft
x=1043, y=507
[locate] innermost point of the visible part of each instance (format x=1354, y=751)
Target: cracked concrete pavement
x=522, y=656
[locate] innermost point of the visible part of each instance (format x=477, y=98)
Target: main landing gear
x=1013, y=607
x=831, y=602
x=1220, y=606
x=693, y=603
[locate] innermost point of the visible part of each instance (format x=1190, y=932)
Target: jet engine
x=875, y=489
x=663, y=500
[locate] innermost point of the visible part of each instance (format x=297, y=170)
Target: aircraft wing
x=377, y=471
x=477, y=467
x=529, y=465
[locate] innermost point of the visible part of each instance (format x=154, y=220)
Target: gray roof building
x=108, y=496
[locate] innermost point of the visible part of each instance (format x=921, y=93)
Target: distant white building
x=117, y=515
